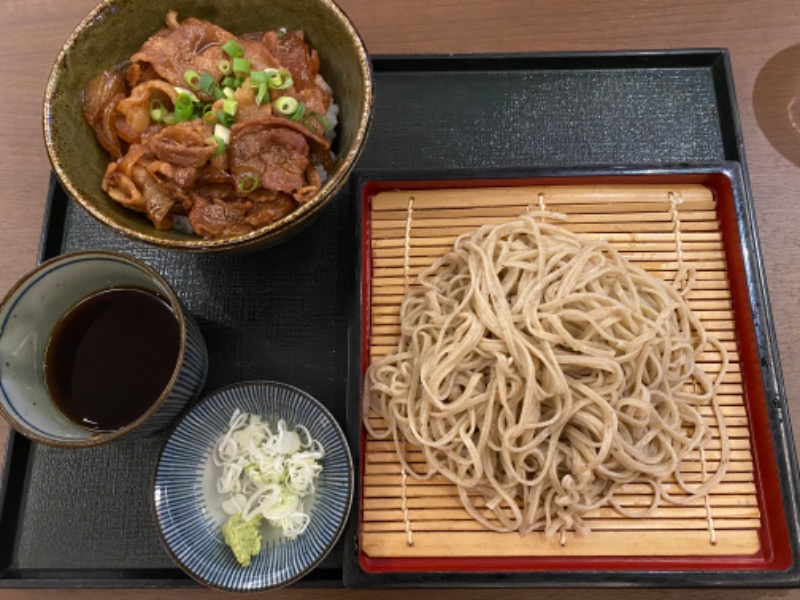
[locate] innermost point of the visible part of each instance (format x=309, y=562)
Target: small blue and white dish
x=188, y=509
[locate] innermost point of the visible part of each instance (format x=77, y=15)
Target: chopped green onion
x=262, y=92
x=224, y=118
x=228, y=92
x=286, y=105
x=229, y=106
x=157, y=110
x=233, y=49
x=281, y=80
x=298, y=114
x=248, y=183
x=237, y=83
x=257, y=78
x=241, y=65
x=281, y=33
x=189, y=93
x=219, y=94
x=157, y=114
x=191, y=77
x=208, y=113
x=322, y=120
x=184, y=108
x=221, y=145
x=224, y=66
x=223, y=133
x=207, y=83
x=170, y=119
x=228, y=82
x=215, y=140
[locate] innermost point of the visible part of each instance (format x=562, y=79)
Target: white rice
x=333, y=118
x=320, y=81
x=333, y=110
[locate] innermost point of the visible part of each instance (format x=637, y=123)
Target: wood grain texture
x=755, y=31
x=419, y=525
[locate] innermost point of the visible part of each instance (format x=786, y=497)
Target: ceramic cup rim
x=101, y=437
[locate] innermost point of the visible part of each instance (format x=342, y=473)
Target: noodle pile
x=539, y=372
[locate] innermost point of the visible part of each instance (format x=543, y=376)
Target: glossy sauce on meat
x=111, y=356
x=220, y=175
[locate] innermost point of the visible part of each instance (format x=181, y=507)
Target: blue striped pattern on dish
x=190, y=382
x=191, y=534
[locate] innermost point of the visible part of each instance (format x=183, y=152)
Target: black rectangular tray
x=83, y=518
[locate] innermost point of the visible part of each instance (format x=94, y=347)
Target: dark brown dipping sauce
x=111, y=356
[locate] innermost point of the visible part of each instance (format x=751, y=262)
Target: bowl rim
x=210, y=397
x=253, y=239
x=100, y=438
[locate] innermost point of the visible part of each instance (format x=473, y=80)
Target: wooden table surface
x=763, y=37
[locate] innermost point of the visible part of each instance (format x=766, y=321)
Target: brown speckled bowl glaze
x=114, y=30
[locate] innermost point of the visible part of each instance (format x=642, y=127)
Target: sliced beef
x=259, y=55
x=192, y=45
x=268, y=207
x=247, y=109
x=218, y=217
x=135, y=109
x=122, y=189
x=278, y=156
x=139, y=73
x=293, y=54
x=158, y=202
x=164, y=171
x=183, y=144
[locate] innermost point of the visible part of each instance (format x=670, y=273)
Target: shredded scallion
x=268, y=471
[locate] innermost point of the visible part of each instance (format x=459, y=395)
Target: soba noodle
x=539, y=372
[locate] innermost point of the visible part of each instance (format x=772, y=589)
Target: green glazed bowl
x=116, y=29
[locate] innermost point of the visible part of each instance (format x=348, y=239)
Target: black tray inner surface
x=284, y=313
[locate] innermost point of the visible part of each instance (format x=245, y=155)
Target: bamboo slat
x=638, y=221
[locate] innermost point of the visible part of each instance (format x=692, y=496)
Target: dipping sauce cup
x=32, y=314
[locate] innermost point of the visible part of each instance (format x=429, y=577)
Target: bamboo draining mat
x=654, y=226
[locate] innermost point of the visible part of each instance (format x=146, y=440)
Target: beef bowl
x=208, y=125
